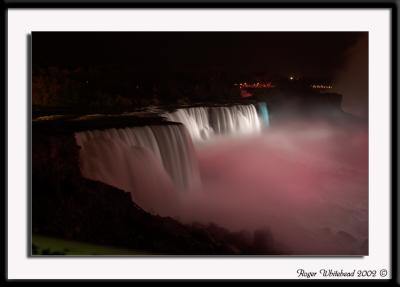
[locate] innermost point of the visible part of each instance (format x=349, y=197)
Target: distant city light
x=255, y=85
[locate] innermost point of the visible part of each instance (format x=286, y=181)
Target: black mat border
x=231, y=4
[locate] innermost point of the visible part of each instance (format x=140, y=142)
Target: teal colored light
x=264, y=114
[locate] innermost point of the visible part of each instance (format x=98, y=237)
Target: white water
x=114, y=156
x=156, y=161
x=242, y=119
x=196, y=120
x=205, y=122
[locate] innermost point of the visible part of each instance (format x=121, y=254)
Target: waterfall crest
x=205, y=122
x=241, y=119
x=195, y=119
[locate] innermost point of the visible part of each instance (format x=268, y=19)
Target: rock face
x=66, y=205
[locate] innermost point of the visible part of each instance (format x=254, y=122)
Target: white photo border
x=21, y=22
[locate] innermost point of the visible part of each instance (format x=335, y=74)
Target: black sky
x=310, y=54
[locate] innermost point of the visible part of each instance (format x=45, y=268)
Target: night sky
x=308, y=54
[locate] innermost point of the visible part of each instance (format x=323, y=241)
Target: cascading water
x=116, y=156
x=156, y=160
x=263, y=113
x=196, y=120
x=241, y=119
x=139, y=158
x=205, y=122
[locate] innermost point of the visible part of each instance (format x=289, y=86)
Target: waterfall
x=240, y=119
x=140, y=158
x=205, y=122
x=196, y=120
x=157, y=160
x=263, y=113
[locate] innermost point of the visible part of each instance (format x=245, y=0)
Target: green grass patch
x=44, y=245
